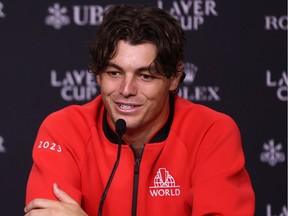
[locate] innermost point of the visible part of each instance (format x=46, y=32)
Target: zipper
x=136, y=180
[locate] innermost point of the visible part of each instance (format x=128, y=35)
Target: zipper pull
x=137, y=166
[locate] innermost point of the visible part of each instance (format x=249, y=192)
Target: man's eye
x=113, y=73
x=147, y=77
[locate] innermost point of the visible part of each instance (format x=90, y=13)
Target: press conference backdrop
x=236, y=63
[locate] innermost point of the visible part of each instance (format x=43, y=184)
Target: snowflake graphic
x=272, y=153
x=2, y=14
x=57, y=17
x=2, y=148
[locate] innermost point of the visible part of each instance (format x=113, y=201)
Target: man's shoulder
x=85, y=114
x=196, y=121
x=184, y=106
x=197, y=113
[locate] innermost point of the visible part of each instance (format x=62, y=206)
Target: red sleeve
x=220, y=182
x=55, y=157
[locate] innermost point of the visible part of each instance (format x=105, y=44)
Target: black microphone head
x=120, y=127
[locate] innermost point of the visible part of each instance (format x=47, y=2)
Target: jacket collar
x=160, y=136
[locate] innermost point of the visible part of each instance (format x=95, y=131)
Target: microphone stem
x=111, y=177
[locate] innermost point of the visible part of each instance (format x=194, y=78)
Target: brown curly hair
x=138, y=25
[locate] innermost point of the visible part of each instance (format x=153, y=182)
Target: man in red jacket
x=178, y=158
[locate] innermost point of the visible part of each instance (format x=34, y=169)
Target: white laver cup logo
x=75, y=85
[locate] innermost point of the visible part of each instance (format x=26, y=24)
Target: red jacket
x=194, y=165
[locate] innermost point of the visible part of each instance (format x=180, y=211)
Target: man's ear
x=176, y=79
x=98, y=79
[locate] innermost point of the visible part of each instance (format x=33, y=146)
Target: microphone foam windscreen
x=120, y=127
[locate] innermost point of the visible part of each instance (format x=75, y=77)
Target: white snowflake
x=2, y=14
x=2, y=148
x=272, y=153
x=57, y=17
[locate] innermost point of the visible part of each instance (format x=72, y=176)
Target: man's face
x=132, y=92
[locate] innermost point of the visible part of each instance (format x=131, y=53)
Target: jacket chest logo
x=164, y=184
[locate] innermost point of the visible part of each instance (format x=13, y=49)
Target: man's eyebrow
x=150, y=68
x=114, y=66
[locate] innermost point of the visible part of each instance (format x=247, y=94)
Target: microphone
x=120, y=128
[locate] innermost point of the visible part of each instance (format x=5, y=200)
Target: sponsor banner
x=2, y=147
x=2, y=13
x=191, y=14
x=272, y=153
x=80, y=85
x=60, y=16
x=279, y=83
x=276, y=212
x=276, y=23
x=197, y=93
x=74, y=85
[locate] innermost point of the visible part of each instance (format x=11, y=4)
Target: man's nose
x=128, y=86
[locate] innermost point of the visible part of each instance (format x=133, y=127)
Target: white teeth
x=126, y=107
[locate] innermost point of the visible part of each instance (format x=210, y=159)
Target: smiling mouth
x=126, y=106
